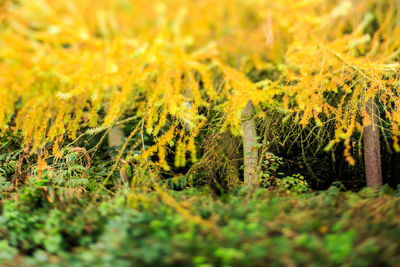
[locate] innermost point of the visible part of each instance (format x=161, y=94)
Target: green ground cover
x=242, y=228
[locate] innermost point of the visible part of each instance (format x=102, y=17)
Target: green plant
x=270, y=166
x=271, y=177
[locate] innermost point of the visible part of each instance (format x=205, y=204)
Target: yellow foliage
x=61, y=62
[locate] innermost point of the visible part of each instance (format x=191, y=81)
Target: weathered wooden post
x=250, y=153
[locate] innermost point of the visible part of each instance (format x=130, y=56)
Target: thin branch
x=103, y=128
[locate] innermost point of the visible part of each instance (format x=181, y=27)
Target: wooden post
x=372, y=154
x=116, y=137
x=250, y=153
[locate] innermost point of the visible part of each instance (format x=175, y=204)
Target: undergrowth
x=250, y=228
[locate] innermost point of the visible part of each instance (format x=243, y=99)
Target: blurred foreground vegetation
x=242, y=228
